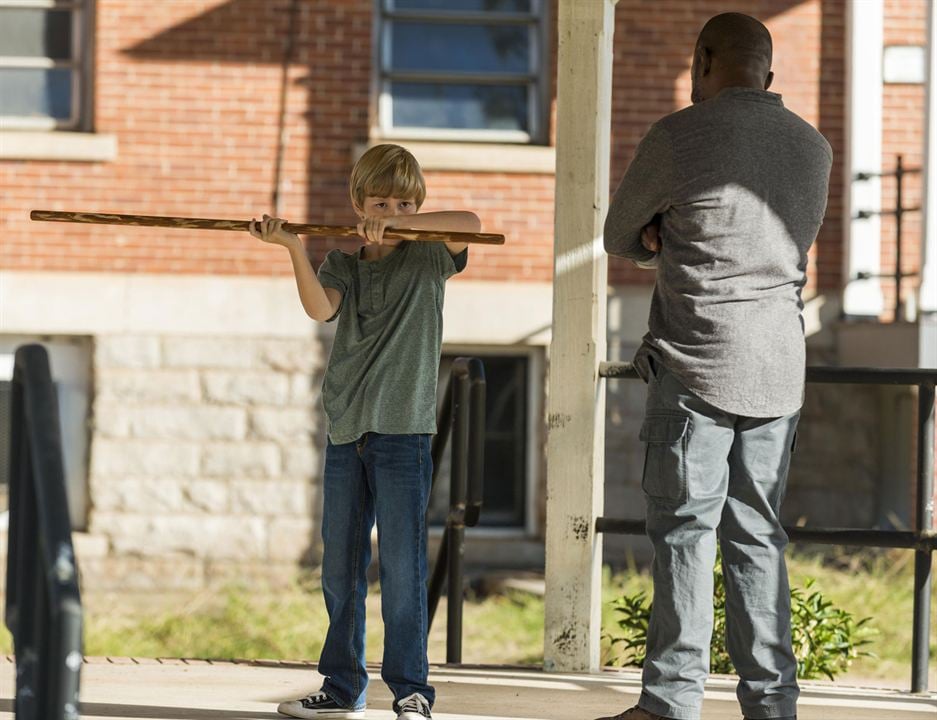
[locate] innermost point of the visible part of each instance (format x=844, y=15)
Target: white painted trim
x=71, y=303
x=499, y=313
x=57, y=146
x=863, y=238
x=474, y=157
x=111, y=303
x=927, y=296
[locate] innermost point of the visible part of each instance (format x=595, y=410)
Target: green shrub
x=826, y=639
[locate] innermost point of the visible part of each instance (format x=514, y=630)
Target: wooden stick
x=335, y=231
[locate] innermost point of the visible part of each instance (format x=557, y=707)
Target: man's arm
x=644, y=192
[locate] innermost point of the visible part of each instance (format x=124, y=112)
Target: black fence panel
x=43, y=604
x=923, y=539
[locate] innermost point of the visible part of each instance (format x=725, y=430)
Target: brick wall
x=653, y=52
x=191, y=90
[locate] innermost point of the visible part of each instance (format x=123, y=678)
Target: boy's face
x=385, y=207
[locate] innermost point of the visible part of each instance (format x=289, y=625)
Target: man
x=724, y=198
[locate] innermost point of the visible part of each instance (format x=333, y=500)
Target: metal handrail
x=463, y=417
x=923, y=539
x=43, y=604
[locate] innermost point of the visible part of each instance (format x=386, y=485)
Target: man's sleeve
x=644, y=191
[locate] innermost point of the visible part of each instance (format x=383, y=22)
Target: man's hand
x=650, y=236
x=270, y=230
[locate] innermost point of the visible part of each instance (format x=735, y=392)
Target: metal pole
x=289, y=45
x=899, y=212
x=438, y=579
x=923, y=564
x=456, y=522
x=475, y=486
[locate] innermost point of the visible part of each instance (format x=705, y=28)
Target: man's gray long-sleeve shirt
x=740, y=184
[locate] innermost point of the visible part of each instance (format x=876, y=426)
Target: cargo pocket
x=665, y=473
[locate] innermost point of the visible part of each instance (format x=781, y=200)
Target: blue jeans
x=712, y=476
x=387, y=477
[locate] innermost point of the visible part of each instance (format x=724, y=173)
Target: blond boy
x=379, y=394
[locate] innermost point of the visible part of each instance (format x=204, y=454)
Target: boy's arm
x=642, y=195
x=451, y=220
x=320, y=303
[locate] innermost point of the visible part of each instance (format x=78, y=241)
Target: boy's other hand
x=372, y=229
x=270, y=230
x=650, y=236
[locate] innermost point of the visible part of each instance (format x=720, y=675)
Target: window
x=44, y=63
x=463, y=69
x=511, y=440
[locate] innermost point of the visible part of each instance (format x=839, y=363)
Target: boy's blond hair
x=387, y=171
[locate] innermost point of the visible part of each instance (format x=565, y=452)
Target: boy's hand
x=650, y=236
x=372, y=229
x=270, y=230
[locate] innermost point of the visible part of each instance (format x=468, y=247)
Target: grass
x=290, y=623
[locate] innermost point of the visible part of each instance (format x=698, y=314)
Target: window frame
x=80, y=63
x=536, y=82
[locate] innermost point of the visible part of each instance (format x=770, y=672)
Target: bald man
x=724, y=199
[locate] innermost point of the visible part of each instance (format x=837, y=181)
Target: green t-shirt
x=381, y=376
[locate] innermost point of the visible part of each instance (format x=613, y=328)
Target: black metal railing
x=923, y=539
x=899, y=212
x=463, y=416
x=43, y=605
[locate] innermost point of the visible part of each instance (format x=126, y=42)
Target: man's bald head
x=733, y=50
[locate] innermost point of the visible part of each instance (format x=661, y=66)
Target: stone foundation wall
x=205, y=460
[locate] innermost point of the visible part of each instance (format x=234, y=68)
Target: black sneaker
x=413, y=707
x=319, y=705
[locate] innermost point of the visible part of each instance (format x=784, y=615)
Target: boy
x=379, y=394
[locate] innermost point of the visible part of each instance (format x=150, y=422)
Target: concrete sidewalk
x=137, y=689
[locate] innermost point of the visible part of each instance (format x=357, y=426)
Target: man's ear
x=705, y=60
x=769, y=80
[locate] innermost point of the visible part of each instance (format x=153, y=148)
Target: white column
x=863, y=237
x=927, y=294
x=576, y=436
x=927, y=301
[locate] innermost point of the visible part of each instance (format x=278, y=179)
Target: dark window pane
x=460, y=48
x=488, y=107
x=38, y=93
x=505, y=488
x=26, y=32
x=511, y=6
